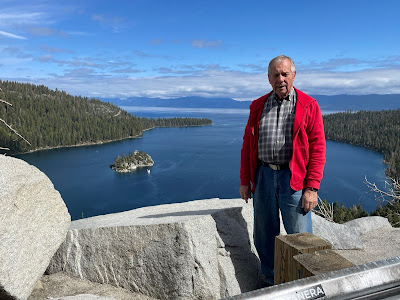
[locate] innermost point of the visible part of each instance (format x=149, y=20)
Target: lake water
x=190, y=163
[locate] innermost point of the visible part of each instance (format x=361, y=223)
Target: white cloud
x=157, y=41
x=54, y=50
x=116, y=23
x=17, y=16
x=126, y=71
x=372, y=81
x=213, y=82
x=98, y=18
x=30, y=19
x=206, y=44
x=351, y=64
x=10, y=35
x=42, y=31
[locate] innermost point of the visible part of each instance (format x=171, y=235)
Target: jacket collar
x=302, y=103
x=259, y=103
x=303, y=98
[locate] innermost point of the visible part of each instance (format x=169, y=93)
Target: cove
x=190, y=163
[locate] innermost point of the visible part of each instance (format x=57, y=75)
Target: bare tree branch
x=9, y=126
x=324, y=209
x=13, y=130
x=4, y=101
x=390, y=195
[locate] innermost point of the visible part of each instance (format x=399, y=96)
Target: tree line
x=376, y=130
x=343, y=214
x=48, y=118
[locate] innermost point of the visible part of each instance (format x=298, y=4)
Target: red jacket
x=308, y=159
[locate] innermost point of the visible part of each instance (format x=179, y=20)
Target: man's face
x=281, y=77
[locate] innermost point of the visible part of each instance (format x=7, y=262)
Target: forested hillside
x=377, y=130
x=48, y=118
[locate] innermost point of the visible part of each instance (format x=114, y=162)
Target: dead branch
x=4, y=101
x=13, y=130
x=390, y=195
x=324, y=209
x=9, y=126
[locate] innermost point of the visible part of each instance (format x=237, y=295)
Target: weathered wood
x=287, y=246
x=310, y=264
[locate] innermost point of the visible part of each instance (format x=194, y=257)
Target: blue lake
x=190, y=163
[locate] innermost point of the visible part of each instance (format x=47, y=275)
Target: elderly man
x=282, y=160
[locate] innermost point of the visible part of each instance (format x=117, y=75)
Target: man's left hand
x=309, y=200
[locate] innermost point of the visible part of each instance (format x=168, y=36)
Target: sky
x=210, y=48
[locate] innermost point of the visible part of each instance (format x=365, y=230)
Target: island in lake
x=130, y=162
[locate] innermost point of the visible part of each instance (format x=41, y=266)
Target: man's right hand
x=245, y=192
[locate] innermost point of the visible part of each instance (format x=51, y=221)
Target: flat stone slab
x=340, y=236
x=367, y=224
x=163, y=214
x=380, y=244
x=33, y=223
x=192, y=250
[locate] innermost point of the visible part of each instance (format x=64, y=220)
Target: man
x=282, y=160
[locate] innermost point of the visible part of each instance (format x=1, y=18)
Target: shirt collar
x=289, y=97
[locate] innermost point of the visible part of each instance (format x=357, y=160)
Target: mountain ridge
x=336, y=102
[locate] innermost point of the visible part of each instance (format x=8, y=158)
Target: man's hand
x=309, y=200
x=245, y=192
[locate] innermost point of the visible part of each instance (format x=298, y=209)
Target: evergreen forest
x=48, y=118
x=342, y=214
x=376, y=130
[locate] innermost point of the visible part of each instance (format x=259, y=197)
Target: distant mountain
x=337, y=102
x=184, y=102
x=358, y=102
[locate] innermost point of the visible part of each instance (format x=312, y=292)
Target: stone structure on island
x=128, y=163
x=33, y=223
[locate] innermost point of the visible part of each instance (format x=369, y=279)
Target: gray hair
x=279, y=59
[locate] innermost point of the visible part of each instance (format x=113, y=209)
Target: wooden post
x=319, y=262
x=287, y=246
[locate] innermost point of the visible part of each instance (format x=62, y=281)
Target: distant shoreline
x=105, y=141
x=86, y=143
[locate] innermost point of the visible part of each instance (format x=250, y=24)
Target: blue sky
x=214, y=48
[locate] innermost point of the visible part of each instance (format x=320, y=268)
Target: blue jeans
x=273, y=192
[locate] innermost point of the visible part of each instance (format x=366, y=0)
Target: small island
x=130, y=162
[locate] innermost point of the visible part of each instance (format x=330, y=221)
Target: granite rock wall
x=33, y=223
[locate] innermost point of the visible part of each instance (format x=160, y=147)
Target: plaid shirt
x=276, y=129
